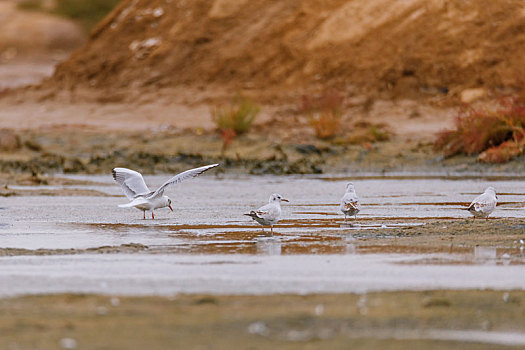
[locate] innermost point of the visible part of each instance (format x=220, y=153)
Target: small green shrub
x=379, y=133
x=235, y=119
x=31, y=5
x=238, y=116
x=87, y=12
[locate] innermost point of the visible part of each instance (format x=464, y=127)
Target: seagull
x=350, y=201
x=268, y=214
x=142, y=197
x=484, y=204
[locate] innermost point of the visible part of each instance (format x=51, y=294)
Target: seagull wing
x=350, y=206
x=350, y=201
x=188, y=174
x=484, y=203
x=132, y=182
x=267, y=212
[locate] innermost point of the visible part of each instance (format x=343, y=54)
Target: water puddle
x=471, y=336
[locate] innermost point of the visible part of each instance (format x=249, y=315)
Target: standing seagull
x=350, y=202
x=484, y=204
x=269, y=214
x=141, y=196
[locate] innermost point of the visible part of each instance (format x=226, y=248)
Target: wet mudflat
x=410, y=235
x=413, y=269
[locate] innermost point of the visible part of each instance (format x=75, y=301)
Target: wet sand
x=418, y=320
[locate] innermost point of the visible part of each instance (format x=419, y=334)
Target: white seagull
x=484, y=204
x=269, y=214
x=350, y=202
x=141, y=196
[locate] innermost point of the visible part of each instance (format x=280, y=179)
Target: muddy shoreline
x=168, y=152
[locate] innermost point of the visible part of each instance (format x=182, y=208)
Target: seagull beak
x=170, y=207
x=285, y=200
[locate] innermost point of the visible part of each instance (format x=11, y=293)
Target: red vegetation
x=227, y=136
x=331, y=100
x=326, y=124
x=502, y=153
x=325, y=112
x=497, y=135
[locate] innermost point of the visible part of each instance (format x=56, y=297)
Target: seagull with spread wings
x=142, y=197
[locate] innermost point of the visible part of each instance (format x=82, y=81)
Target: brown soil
x=154, y=70
x=8, y=180
x=9, y=192
x=31, y=33
x=123, y=248
x=32, y=180
x=389, y=320
x=32, y=43
x=413, y=48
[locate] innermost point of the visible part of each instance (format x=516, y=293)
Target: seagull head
x=277, y=198
x=491, y=190
x=350, y=187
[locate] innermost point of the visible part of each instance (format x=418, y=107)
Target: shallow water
x=208, y=246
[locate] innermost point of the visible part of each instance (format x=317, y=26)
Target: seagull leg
x=152, y=216
x=144, y=212
x=345, y=217
x=355, y=216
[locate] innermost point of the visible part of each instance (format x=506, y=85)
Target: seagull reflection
x=268, y=246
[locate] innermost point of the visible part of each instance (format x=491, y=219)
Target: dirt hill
x=401, y=48
x=30, y=33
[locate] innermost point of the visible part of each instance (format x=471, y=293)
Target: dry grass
x=326, y=124
x=325, y=111
x=497, y=135
x=235, y=119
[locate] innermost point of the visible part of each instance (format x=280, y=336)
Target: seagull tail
x=133, y=203
x=350, y=206
x=252, y=214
